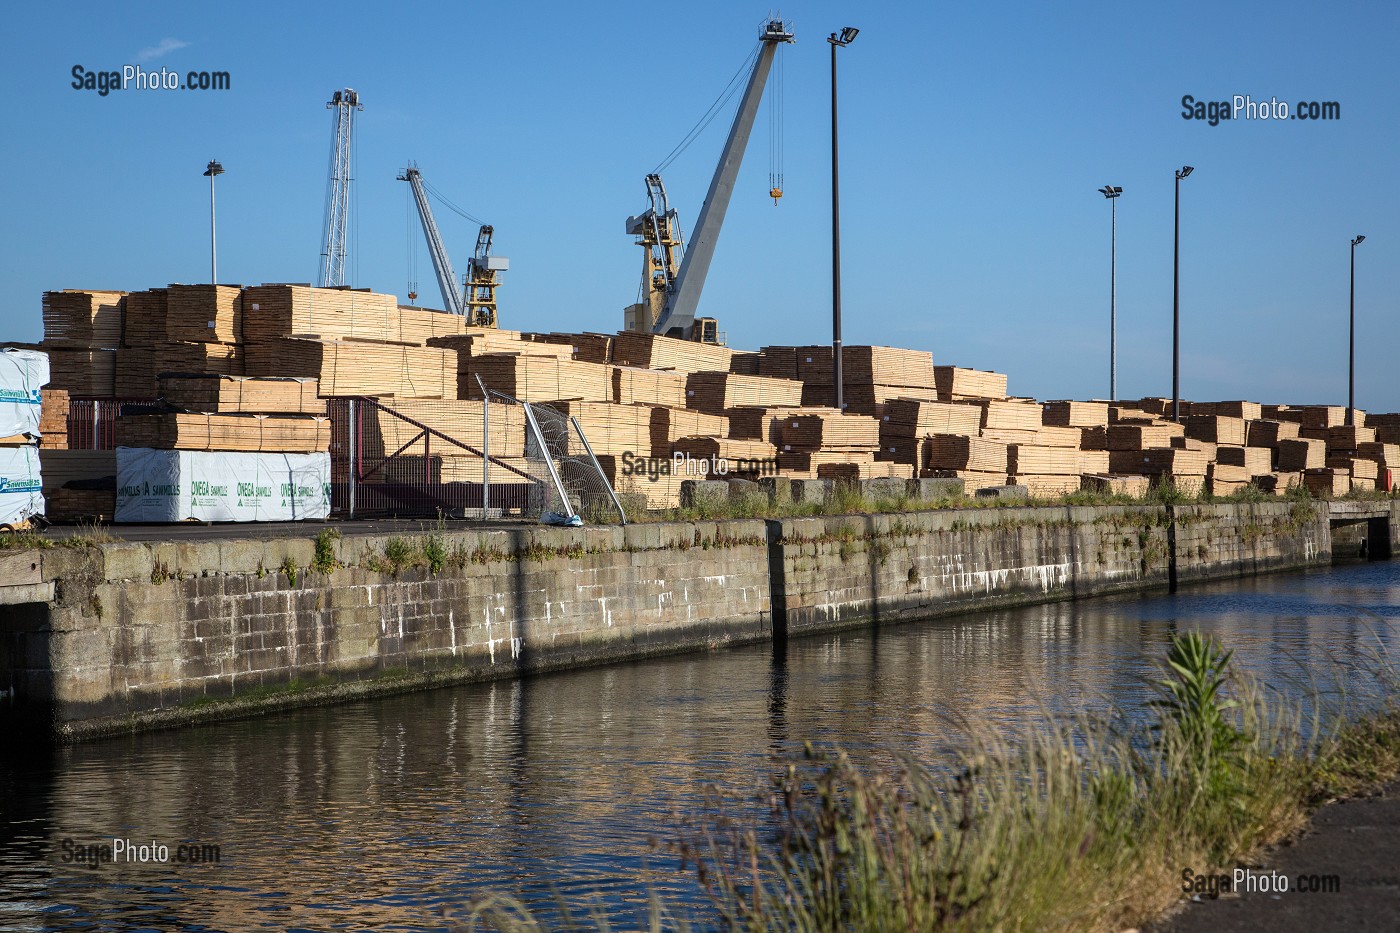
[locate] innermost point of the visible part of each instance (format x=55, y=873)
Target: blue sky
x=973, y=139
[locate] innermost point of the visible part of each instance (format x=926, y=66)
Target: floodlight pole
x=845, y=38
x=1351, y=344
x=213, y=171
x=1176, y=298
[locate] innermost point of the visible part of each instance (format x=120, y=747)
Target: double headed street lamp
x=1112, y=192
x=1176, y=299
x=1351, y=353
x=845, y=38
x=213, y=171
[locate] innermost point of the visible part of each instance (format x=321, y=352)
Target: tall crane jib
x=671, y=289
x=477, y=299
x=346, y=104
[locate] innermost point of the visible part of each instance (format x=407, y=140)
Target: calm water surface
x=378, y=815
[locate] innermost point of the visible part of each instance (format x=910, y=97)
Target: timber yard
x=440, y=580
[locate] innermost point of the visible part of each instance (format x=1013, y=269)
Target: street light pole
x=848, y=33
x=1351, y=351
x=1112, y=192
x=213, y=171
x=1176, y=299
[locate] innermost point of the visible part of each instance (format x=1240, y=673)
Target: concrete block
x=812, y=490
x=779, y=488
x=702, y=493
x=1004, y=492
x=747, y=494
x=933, y=489
x=884, y=487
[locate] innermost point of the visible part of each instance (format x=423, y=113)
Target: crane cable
x=449, y=205
x=409, y=218
x=714, y=110
x=775, y=131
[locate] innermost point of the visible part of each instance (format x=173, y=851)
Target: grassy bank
x=1067, y=825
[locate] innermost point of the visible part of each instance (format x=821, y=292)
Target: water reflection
x=374, y=815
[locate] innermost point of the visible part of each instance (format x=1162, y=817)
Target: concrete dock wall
x=116, y=636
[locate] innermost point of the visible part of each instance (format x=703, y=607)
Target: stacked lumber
x=656, y=480
x=762, y=424
x=714, y=392
x=589, y=348
x=136, y=372
x=213, y=392
x=387, y=431
x=1349, y=437
x=1114, y=484
x=738, y=456
x=1143, y=435
x=143, y=323
x=83, y=319
x=633, y=386
x=1386, y=456
x=1218, y=429
x=1248, y=411
x=1095, y=438
x=1047, y=484
x=1325, y=416
x=871, y=399
x=354, y=368
x=1277, y=482
x=232, y=432
x=868, y=365
x=204, y=314
x=1075, y=414
x=83, y=373
x=1008, y=415
x=745, y=364
x=1363, y=473
x=273, y=311
x=809, y=464
x=1268, y=433
x=651, y=351
x=610, y=429
x=962, y=453
x=829, y=429
x=1027, y=460
x=1255, y=460
x=61, y=467
x=778, y=362
x=534, y=378
x=1159, y=461
x=479, y=341
x=955, y=383
x=873, y=469
x=972, y=480
x=1222, y=479
x=1208, y=448
x=905, y=417
x=1326, y=482
x=669, y=425
x=1296, y=455
x=54, y=406
x=79, y=484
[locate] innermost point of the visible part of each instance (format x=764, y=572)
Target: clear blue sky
x=973, y=139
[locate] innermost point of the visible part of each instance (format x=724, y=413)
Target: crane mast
x=442, y=266
x=658, y=231
x=672, y=312
x=345, y=104
x=479, y=288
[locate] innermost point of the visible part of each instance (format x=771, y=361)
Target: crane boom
x=683, y=298
x=345, y=104
x=442, y=266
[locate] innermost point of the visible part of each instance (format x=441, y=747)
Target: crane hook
x=775, y=193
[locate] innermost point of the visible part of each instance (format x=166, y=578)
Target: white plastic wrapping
x=22, y=374
x=176, y=485
x=21, y=491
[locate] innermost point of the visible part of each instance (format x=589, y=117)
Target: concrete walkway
x=1356, y=841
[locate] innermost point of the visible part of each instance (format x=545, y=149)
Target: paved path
x=1357, y=841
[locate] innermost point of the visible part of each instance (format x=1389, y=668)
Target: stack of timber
x=745, y=364
x=1299, y=454
x=534, y=378
x=1068, y=414
x=1223, y=479
x=906, y=425
x=979, y=462
x=273, y=311
x=268, y=395
x=1326, y=482
x=1268, y=433
x=870, y=376
x=80, y=319
x=1246, y=411
x=1125, y=484
x=83, y=373
x=226, y=432
x=1348, y=437
x=955, y=383
x=730, y=455
x=762, y=424
x=204, y=314
x=1218, y=429
x=589, y=348
x=715, y=392
x=778, y=362
x=634, y=386
x=657, y=479
x=669, y=425
x=54, y=406
x=1256, y=461
x=479, y=341
x=650, y=351
x=828, y=430
x=451, y=431
x=79, y=485
x=1142, y=435
x=143, y=325
x=610, y=429
x=358, y=368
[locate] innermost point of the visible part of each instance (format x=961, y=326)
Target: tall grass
x=1077, y=824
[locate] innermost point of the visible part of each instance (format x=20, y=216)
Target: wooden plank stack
x=1300, y=454
x=143, y=325
x=955, y=383
x=669, y=425
x=633, y=386
x=1218, y=429
x=610, y=429
x=204, y=314
x=742, y=457
x=212, y=392
x=355, y=368
x=715, y=392
x=273, y=311
x=534, y=378
x=387, y=431
x=54, y=406
x=83, y=319
x=1075, y=414
x=231, y=432
x=650, y=351
x=826, y=430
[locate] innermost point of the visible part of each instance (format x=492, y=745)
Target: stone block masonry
x=123, y=636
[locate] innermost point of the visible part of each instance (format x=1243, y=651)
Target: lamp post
x=1351, y=350
x=213, y=171
x=846, y=36
x=1176, y=298
x=1112, y=192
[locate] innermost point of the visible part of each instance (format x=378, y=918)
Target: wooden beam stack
x=650, y=351
x=54, y=406
x=357, y=368
x=273, y=311
x=669, y=425
x=231, y=432
x=715, y=392
x=535, y=378
x=955, y=383
x=1070, y=414
x=267, y=395
x=634, y=386
x=204, y=314
x=80, y=319
x=1300, y=454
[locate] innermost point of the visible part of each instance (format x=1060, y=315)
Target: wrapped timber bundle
x=1222, y=479
x=356, y=368
x=79, y=319
x=1068, y=414
x=714, y=392
x=1268, y=433
x=633, y=386
x=224, y=432
x=650, y=351
x=955, y=383
x=1217, y=429
x=1255, y=460
x=204, y=314
x=273, y=311
x=1300, y=454
x=266, y=395
x=535, y=378
x=669, y=425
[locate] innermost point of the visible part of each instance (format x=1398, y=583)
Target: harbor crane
x=673, y=274
x=477, y=299
x=346, y=104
